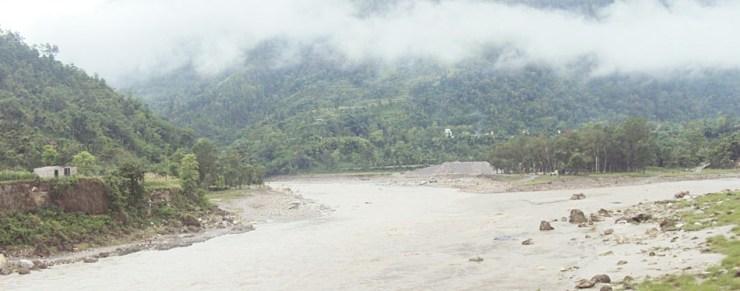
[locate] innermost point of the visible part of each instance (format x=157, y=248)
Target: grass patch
x=711, y=210
x=10, y=175
x=228, y=194
x=154, y=183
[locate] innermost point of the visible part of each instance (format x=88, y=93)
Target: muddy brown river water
x=383, y=237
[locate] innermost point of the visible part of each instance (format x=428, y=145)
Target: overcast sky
x=117, y=38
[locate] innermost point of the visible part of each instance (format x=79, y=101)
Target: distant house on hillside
x=54, y=171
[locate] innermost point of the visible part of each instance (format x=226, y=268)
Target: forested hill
x=46, y=103
x=321, y=111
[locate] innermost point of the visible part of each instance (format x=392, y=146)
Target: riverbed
x=381, y=236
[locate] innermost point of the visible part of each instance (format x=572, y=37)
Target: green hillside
x=320, y=111
x=46, y=103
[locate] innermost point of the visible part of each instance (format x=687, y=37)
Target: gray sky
x=119, y=38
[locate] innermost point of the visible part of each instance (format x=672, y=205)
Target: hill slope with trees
x=49, y=112
x=319, y=111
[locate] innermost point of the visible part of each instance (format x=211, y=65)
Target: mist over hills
x=293, y=116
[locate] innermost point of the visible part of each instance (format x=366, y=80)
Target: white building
x=55, y=171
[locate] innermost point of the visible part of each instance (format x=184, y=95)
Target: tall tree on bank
x=207, y=156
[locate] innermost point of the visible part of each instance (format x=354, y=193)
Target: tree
x=207, y=157
x=85, y=163
x=189, y=175
x=49, y=156
x=636, y=143
x=133, y=183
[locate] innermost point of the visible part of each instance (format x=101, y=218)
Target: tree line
x=622, y=147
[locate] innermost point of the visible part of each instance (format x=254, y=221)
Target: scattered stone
x=527, y=242
x=603, y=212
x=642, y=217
x=608, y=253
x=39, y=264
x=601, y=278
x=652, y=254
x=620, y=239
x=653, y=232
x=90, y=260
x=103, y=254
x=606, y=288
x=621, y=262
x=189, y=220
x=681, y=194
x=582, y=225
x=609, y=231
x=577, y=217
x=583, y=284
x=5, y=271
x=667, y=224
x=578, y=196
x=24, y=271
x=544, y=226
x=476, y=259
x=593, y=217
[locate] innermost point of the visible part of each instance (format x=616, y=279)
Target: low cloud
x=118, y=39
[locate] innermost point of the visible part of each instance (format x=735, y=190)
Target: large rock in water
x=544, y=225
x=577, y=217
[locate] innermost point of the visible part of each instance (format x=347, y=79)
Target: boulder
x=476, y=259
x=609, y=231
x=578, y=196
x=544, y=226
x=606, y=288
x=90, y=260
x=601, y=278
x=681, y=194
x=189, y=220
x=25, y=264
x=39, y=264
x=5, y=271
x=641, y=217
x=24, y=271
x=583, y=284
x=603, y=212
x=577, y=217
x=621, y=262
x=527, y=242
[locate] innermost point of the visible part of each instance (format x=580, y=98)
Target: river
x=380, y=237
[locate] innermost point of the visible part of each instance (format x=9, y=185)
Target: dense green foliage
x=55, y=229
x=318, y=111
x=9, y=175
x=632, y=145
x=50, y=111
